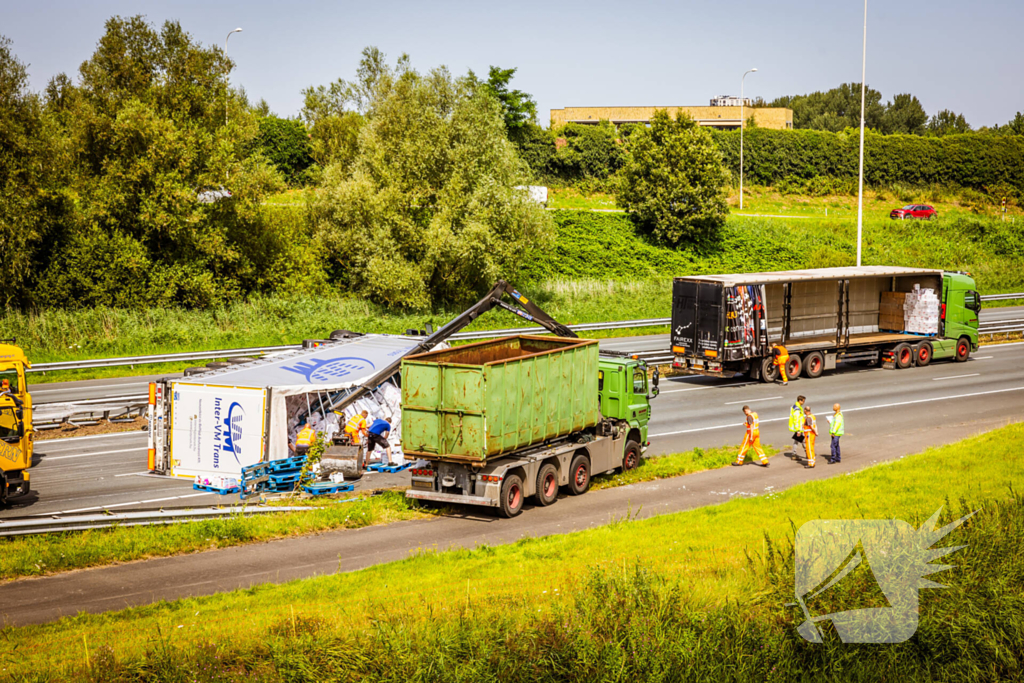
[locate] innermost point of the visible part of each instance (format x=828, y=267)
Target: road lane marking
x=753, y=400
x=710, y=386
x=981, y=357
x=97, y=436
x=86, y=455
x=975, y=374
x=845, y=410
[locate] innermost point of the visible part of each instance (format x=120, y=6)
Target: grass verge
x=51, y=554
x=698, y=595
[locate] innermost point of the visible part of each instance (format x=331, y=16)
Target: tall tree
x=428, y=212
x=947, y=122
x=904, y=115
x=1016, y=125
x=835, y=110
x=673, y=181
x=517, y=107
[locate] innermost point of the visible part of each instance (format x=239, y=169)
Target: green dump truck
x=501, y=421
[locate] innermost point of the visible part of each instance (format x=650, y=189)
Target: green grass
x=51, y=554
x=698, y=594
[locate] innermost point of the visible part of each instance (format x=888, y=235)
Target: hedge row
x=970, y=160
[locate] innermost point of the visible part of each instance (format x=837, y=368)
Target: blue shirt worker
x=836, y=430
x=377, y=435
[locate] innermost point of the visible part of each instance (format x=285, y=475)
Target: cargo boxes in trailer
x=497, y=422
x=723, y=325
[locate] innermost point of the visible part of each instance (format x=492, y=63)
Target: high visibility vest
x=836, y=428
x=782, y=357
x=754, y=425
x=356, y=423
x=796, y=414
x=305, y=437
x=810, y=428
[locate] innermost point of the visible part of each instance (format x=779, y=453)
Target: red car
x=922, y=211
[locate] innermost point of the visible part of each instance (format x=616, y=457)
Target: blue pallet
x=280, y=488
x=285, y=478
x=326, y=487
x=390, y=469
x=213, y=489
x=294, y=463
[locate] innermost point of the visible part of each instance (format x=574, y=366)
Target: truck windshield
x=8, y=425
x=9, y=380
x=639, y=382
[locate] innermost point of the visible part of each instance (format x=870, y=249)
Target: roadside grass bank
x=698, y=595
x=51, y=554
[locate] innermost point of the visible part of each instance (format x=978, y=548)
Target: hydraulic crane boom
x=492, y=299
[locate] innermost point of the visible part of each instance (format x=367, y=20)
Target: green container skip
x=474, y=402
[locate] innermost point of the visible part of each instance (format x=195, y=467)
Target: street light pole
x=743, y=102
x=237, y=30
x=860, y=191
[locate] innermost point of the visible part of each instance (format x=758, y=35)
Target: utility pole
x=860, y=191
x=742, y=122
x=237, y=30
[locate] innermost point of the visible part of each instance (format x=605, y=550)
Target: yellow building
x=726, y=118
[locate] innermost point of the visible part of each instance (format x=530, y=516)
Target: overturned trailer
x=220, y=421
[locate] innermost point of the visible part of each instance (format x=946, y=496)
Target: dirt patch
x=104, y=427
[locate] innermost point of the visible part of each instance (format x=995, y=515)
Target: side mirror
x=655, y=376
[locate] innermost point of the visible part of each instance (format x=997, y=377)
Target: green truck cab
x=15, y=423
x=961, y=305
x=501, y=421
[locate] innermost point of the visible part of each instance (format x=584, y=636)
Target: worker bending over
x=835, y=430
x=356, y=427
x=780, y=356
x=810, y=432
x=751, y=439
x=377, y=435
x=305, y=438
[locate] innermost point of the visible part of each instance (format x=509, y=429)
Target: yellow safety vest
x=305, y=437
x=836, y=428
x=356, y=423
x=753, y=427
x=796, y=414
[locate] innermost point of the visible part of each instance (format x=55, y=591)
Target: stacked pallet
x=891, y=314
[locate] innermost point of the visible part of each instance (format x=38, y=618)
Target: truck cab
x=961, y=304
x=625, y=394
x=15, y=423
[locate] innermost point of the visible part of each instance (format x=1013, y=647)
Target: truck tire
x=794, y=365
x=579, y=475
x=814, y=365
x=923, y=353
x=904, y=356
x=547, y=485
x=512, y=496
x=769, y=371
x=963, y=350
x=630, y=456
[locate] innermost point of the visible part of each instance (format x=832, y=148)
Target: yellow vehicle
x=15, y=422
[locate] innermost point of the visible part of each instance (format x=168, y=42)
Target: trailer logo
x=227, y=435
x=884, y=562
x=330, y=369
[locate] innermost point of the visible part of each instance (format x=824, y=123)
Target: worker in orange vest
x=752, y=439
x=780, y=356
x=810, y=432
x=356, y=427
x=305, y=438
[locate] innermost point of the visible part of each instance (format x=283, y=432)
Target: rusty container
x=475, y=402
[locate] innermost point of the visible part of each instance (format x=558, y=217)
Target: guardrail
x=461, y=336
x=57, y=523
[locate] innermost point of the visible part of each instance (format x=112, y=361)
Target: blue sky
x=952, y=55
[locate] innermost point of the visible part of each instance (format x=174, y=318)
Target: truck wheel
x=793, y=366
x=904, y=356
x=579, y=475
x=769, y=371
x=547, y=485
x=630, y=456
x=923, y=353
x=814, y=365
x=512, y=496
x=963, y=350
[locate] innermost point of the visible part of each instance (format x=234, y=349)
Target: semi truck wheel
x=630, y=456
x=963, y=350
x=512, y=496
x=579, y=475
x=904, y=356
x=769, y=371
x=793, y=366
x=814, y=365
x=923, y=353
x=547, y=485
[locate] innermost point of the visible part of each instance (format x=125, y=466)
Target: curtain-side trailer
x=723, y=325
